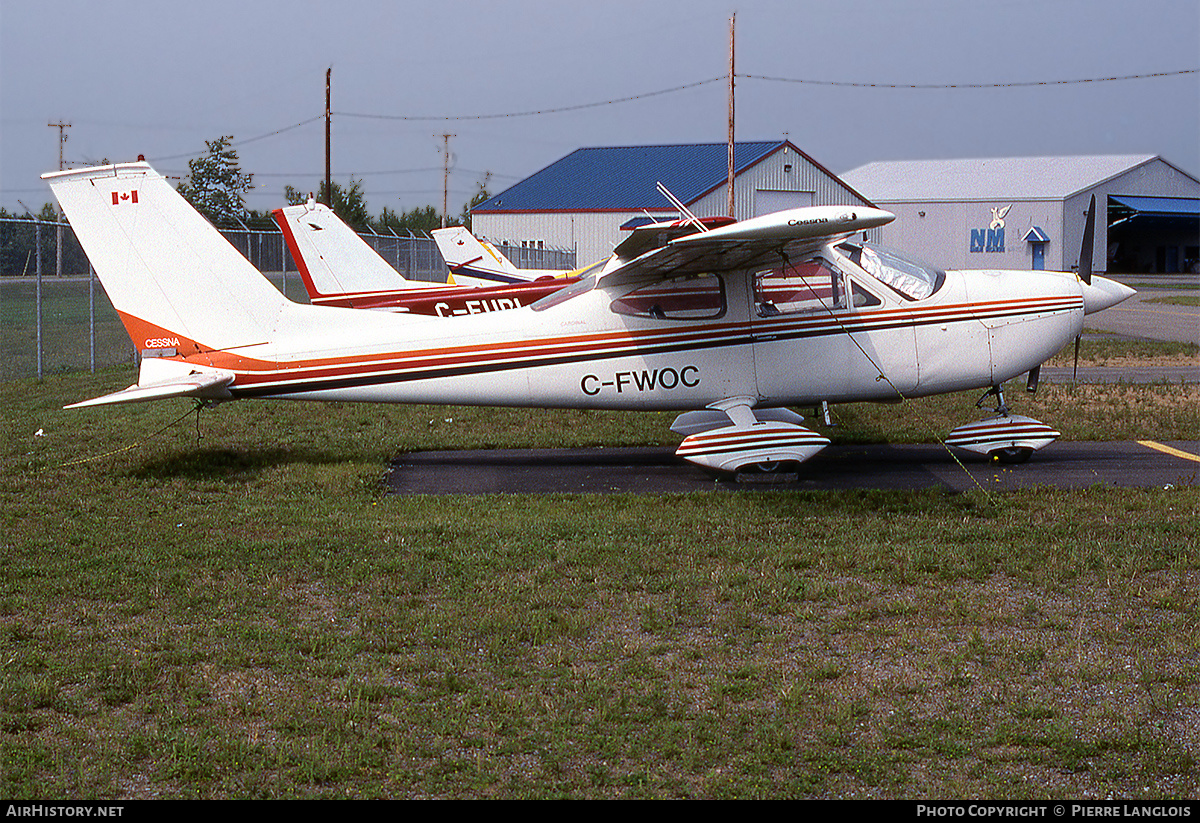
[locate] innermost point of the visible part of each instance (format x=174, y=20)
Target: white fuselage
x=979, y=329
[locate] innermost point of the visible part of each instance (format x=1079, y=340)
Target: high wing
x=757, y=242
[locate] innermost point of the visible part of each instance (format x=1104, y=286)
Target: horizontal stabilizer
x=161, y=379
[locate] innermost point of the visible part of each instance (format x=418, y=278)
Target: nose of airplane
x=1103, y=293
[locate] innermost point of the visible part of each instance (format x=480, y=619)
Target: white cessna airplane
x=730, y=324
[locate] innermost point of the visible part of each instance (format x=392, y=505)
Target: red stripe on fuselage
x=528, y=353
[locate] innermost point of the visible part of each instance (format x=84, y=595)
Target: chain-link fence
x=55, y=317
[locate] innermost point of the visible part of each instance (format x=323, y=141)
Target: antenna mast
x=731, y=75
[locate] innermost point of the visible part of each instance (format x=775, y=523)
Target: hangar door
x=1153, y=234
x=772, y=200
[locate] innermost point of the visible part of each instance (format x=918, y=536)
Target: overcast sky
x=160, y=78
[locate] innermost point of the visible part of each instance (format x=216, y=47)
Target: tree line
x=216, y=184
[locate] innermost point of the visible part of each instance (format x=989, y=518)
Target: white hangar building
x=582, y=201
x=1028, y=212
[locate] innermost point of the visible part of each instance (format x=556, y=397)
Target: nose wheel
x=997, y=392
x=1003, y=437
x=1010, y=454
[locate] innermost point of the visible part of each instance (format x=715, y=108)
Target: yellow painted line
x=1150, y=444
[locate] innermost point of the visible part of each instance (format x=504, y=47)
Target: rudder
x=173, y=278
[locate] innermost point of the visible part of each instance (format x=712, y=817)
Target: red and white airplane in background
x=730, y=325
x=339, y=268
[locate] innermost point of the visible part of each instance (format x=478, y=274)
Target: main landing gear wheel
x=769, y=471
x=1011, y=454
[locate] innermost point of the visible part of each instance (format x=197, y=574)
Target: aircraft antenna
x=445, y=174
x=683, y=210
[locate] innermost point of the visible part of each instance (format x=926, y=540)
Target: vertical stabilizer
x=333, y=260
x=176, y=282
x=473, y=262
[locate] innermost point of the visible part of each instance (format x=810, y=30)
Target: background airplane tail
x=333, y=260
x=174, y=280
x=472, y=261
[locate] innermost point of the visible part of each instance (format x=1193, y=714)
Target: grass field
x=1180, y=300
x=228, y=606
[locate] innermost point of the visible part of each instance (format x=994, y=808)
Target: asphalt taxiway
x=657, y=470
x=1062, y=464
x=1158, y=311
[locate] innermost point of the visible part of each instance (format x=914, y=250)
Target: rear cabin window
x=692, y=297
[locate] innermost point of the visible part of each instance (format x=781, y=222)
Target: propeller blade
x=1031, y=382
x=1075, y=371
x=1089, y=235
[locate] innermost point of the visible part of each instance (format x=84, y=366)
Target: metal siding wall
x=1154, y=179
x=594, y=234
x=943, y=236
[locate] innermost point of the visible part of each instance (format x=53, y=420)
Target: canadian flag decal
x=124, y=197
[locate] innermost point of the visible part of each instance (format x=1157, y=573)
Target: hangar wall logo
x=991, y=239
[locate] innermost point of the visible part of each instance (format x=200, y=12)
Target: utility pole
x=62, y=139
x=328, y=175
x=445, y=174
x=730, y=182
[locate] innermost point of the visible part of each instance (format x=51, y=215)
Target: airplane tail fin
x=334, y=262
x=474, y=262
x=178, y=285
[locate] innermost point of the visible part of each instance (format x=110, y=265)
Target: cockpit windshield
x=909, y=278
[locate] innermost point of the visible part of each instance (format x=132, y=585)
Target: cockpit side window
x=861, y=297
x=909, y=278
x=812, y=285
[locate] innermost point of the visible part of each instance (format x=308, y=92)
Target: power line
x=672, y=90
x=246, y=141
x=1022, y=84
x=840, y=83
x=533, y=112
